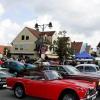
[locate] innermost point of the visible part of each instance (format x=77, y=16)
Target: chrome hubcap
x=19, y=91
x=67, y=97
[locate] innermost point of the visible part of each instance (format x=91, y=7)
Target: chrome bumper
x=93, y=97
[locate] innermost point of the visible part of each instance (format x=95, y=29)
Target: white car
x=89, y=68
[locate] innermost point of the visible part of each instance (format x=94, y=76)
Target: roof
x=76, y=46
x=48, y=33
x=2, y=48
x=83, y=55
x=98, y=45
x=94, y=65
x=37, y=33
x=33, y=31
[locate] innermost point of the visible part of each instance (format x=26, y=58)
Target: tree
x=63, y=48
x=7, y=52
x=53, y=46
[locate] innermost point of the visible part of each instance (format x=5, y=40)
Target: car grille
x=92, y=91
x=3, y=79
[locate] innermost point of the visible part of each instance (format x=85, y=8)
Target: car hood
x=90, y=76
x=77, y=83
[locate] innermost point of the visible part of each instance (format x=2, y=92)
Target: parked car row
x=70, y=72
x=50, y=85
x=54, y=82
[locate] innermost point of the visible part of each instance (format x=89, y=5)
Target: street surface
x=6, y=94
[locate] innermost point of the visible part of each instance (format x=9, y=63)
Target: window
x=16, y=48
x=27, y=37
x=97, y=68
x=61, y=69
x=23, y=37
x=21, y=48
x=90, y=69
x=80, y=68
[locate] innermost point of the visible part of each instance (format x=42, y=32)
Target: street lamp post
x=43, y=26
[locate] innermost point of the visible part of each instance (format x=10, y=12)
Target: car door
x=90, y=69
x=13, y=66
x=36, y=86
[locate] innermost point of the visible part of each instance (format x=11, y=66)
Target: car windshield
x=71, y=70
x=52, y=75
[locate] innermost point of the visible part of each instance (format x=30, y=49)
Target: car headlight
x=91, y=92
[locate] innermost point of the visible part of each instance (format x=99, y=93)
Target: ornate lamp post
x=43, y=26
x=40, y=40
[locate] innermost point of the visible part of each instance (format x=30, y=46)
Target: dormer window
x=27, y=37
x=23, y=37
x=16, y=48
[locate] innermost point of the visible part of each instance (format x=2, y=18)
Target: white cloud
x=8, y=30
x=80, y=18
x=1, y=9
x=45, y=19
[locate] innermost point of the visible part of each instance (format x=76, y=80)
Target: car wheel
x=19, y=91
x=68, y=96
x=1, y=86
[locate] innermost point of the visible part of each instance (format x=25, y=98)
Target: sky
x=80, y=18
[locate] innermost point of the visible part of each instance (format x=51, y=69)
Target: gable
x=25, y=32
x=98, y=45
x=76, y=46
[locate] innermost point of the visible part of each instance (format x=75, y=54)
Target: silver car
x=89, y=68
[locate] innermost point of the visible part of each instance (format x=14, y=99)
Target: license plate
x=94, y=97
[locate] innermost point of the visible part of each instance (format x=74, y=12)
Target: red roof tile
x=48, y=33
x=76, y=46
x=34, y=32
x=37, y=33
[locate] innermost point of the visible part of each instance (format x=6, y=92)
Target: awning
x=83, y=55
x=52, y=56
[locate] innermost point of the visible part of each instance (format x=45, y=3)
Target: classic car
x=17, y=67
x=3, y=77
x=50, y=85
x=70, y=72
x=89, y=68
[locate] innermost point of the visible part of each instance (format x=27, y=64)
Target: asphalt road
x=6, y=94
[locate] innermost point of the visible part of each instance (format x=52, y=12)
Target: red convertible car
x=50, y=85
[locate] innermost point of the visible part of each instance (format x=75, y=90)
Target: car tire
x=69, y=96
x=1, y=86
x=19, y=91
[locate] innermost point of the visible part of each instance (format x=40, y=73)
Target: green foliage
x=63, y=48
